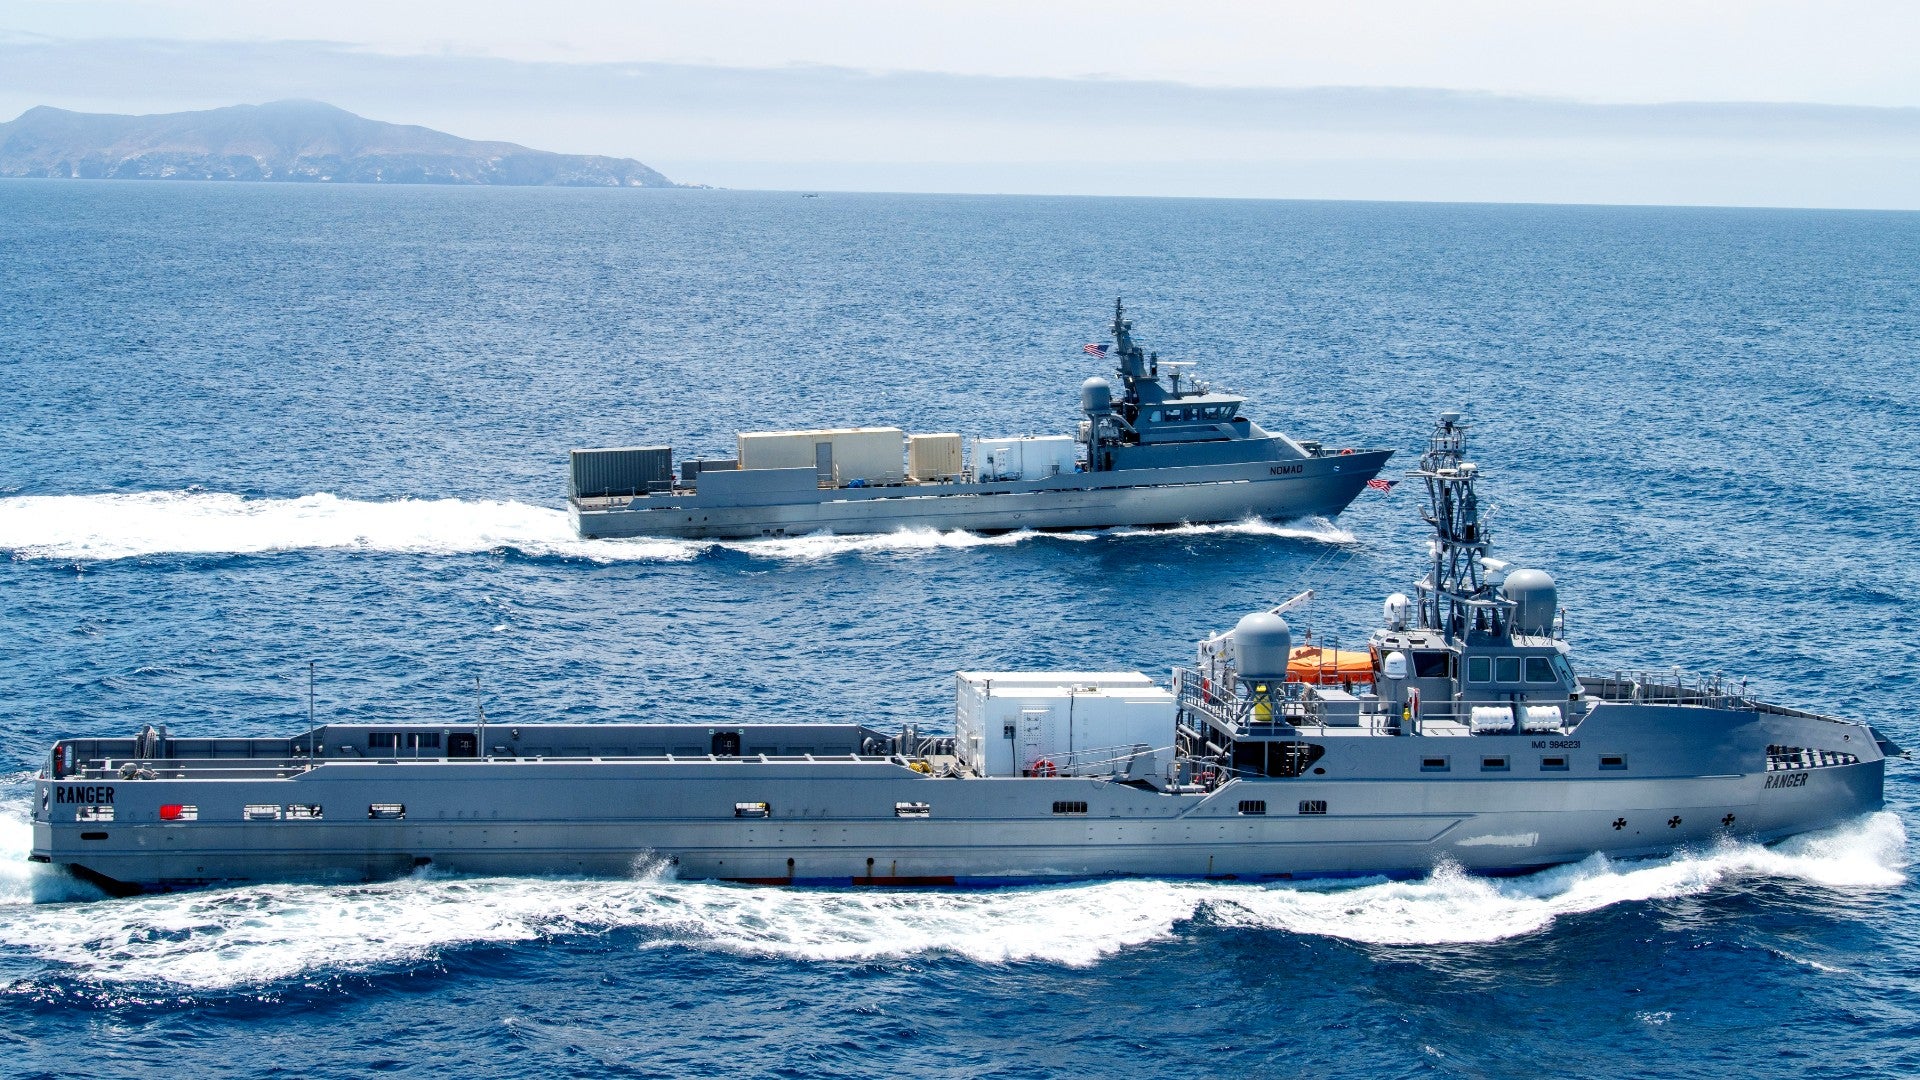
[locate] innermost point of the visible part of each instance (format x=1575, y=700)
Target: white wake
x=258, y=935
x=84, y=528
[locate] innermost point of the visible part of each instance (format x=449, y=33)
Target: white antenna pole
x=312, y=738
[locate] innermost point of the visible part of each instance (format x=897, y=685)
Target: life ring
x=1043, y=767
x=1347, y=450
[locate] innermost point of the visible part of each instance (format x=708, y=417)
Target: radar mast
x=1456, y=598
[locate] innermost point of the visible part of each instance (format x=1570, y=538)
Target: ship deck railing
x=133, y=769
x=1671, y=686
x=1106, y=760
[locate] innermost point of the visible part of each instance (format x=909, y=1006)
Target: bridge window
x=1540, y=670
x=383, y=740
x=1479, y=669
x=1507, y=670
x=424, y=740
x=1431, y=665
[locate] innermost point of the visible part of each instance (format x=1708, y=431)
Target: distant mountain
x=287, y=140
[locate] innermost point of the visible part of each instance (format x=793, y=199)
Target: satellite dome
x=1535, y=599
x=1096, y=397
x=1262, y=644
x=1396, y=609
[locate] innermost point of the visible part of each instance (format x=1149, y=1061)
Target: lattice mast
x=1457, y=584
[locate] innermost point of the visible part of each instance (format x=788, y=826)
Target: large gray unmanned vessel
x=1470, y=740
x=1164, y=453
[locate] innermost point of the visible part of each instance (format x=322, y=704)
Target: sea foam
x=242, y=937
x=85, y=528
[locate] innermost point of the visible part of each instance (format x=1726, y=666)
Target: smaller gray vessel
x=1167, y=450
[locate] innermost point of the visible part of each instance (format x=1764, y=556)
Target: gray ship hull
x=838, y=819
x=1319, y=486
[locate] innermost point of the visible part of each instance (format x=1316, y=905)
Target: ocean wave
x=96, y=528
x=243, y=937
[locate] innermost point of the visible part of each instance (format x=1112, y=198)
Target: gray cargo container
x=627, y=470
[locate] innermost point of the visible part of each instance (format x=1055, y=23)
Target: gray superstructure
x=1167, y=450
x=1467, y=739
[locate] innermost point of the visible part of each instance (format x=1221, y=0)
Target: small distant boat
x=1167, y=450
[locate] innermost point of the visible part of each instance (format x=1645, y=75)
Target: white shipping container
x=1034, y=458
x=1007, y=722
x=870, y=454
x=776, y=449
x=933, y=457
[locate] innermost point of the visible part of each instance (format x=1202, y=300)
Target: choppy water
x=245, y=426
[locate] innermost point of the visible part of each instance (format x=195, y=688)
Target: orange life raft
x=1329, y=667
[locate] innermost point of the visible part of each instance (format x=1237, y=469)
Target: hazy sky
x=1169, y=98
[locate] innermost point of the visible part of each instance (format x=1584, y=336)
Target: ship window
x=1493, y=764
x=1566, y=672
x=1508, y=669
x=383, y=740
x=752, y=809
x=1153, y=416
x=94, y=812
x=1069, y=808
x=1430, y=665
x=423, y=740
x=652, y=751
x=1613, y=761
x=1433, y=764
x=1553, y=764
x=797, y=751
x=179, y=812
x=387, y=811
x=261, y=812
x=912, y=809
x=1540, y=670
x=1313, y=806
x=93, y=836
x=303, y=811
x=1479, y=669
x=1253, y=806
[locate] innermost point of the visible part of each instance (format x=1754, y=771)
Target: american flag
x=1095, y=350
x=1381, y=486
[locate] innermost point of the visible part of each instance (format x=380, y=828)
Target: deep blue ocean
x=247, y=426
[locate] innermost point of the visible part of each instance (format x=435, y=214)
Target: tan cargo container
x=933, y=457
x=869, y=454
